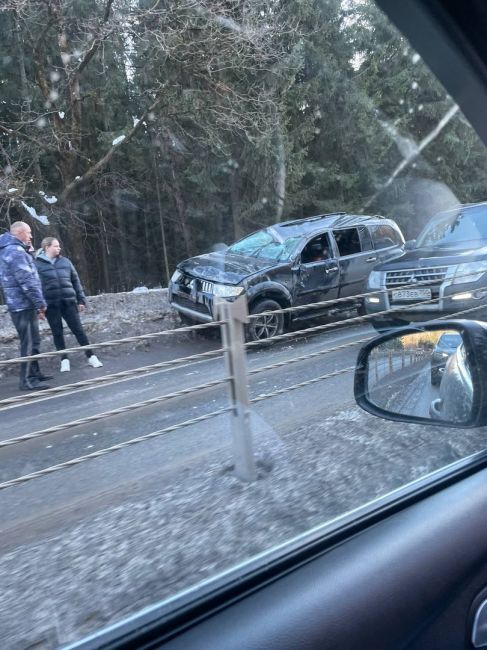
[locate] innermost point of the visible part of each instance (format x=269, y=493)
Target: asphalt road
x=83, y=486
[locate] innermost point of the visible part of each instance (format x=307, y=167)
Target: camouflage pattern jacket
x=18, y=276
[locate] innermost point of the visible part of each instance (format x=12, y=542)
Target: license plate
x=411, y=294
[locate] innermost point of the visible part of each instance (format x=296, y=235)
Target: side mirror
x=220, y=246
x=410, y=244
x=431, y=373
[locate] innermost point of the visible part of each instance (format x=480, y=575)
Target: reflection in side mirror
x=410, y=374
x=423, y=373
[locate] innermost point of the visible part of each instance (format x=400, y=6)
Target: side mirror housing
x=432, y=373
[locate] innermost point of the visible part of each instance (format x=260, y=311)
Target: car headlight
x=375, y=280
x=226, y=291
x=176, y=275
x=469, y=272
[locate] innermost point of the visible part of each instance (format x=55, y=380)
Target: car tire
x=260, y=329
x=386, y=325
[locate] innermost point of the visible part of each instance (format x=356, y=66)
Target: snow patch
x=33, y=213
x=50, y=199
x=61, y=114
x=12, y=190
x=118, y=140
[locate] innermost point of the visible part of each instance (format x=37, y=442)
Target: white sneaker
x=65, y=365
x=94, y=361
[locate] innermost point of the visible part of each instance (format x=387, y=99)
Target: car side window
x=365, y=239
x=385, y=236
x=348, y=241
x=316, y=250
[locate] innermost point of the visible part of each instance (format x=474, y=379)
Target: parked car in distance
x=448, y=262
x=444, y=348
x=289, y=264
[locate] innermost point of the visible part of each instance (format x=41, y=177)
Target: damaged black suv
x=291, y=263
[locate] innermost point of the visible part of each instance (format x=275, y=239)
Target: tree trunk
x=236, y=213
x=280, y=179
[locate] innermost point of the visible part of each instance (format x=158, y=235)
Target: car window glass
x=457, y=227
x=316, y=250
x=263, y=244
x=348, y=241
x=384, y=236
x=365, y=239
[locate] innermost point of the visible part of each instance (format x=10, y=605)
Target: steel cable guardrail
x=108, y=450
x=108, y=379
x=112, y=343
x=118, y=411
x=259, y=398
x=345, y=299
x=203, y=326
x=38, y=396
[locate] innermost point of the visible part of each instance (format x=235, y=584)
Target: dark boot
x=32, y=384
x=35, y=372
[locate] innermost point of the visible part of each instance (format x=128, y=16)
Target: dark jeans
x=27, y=326
x=68, y=310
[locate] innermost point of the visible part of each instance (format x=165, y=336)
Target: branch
x=79, y=182
x=96, y=42
x=28, y=138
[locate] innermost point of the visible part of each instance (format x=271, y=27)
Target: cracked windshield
x=207, y=207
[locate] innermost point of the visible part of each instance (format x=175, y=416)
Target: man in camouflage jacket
x=23, y=297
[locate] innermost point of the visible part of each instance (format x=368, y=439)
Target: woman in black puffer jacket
x=65, y=298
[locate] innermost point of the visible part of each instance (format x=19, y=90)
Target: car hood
x=434, y=256
x=223, y=267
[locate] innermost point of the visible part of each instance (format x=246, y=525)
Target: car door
x=356, y=259
x=317, y=271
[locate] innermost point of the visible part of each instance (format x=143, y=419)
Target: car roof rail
x=318, y=217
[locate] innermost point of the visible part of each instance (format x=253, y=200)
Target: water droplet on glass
x=41, y=123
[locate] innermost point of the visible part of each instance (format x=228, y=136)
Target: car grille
x=398, y=278
x=205, y=286
x=194, y=306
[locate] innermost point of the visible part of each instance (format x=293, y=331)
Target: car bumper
x=466, y=297
x=196, y=305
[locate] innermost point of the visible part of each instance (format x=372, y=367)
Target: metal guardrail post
x=235, y=314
